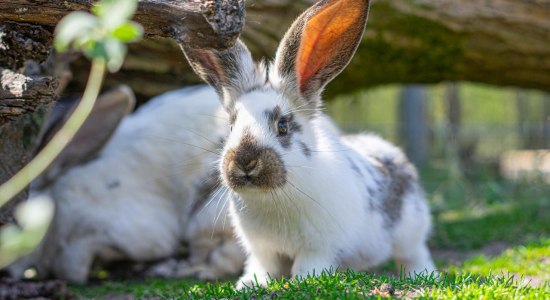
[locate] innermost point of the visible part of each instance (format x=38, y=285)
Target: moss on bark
x=403, y=48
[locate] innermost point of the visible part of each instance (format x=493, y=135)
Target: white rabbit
x=303, y=198
x=142, y=194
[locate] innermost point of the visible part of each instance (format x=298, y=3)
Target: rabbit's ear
x=230, y=72
x=110, y=108
x=320, y=44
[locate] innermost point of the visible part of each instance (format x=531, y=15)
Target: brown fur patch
x=232, y=117
x=250, y=165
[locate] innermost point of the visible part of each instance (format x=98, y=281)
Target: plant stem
x=45, y=157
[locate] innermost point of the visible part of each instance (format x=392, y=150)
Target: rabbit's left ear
x=230, y=72
x=109, y=110
x=320, y=44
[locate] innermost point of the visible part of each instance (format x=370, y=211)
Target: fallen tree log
x=501, y=42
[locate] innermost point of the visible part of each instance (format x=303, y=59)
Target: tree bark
x=21, y=94
x=414, y=129
x=546, y=121
x=204, y=24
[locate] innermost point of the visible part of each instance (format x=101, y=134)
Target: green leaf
x=113, y=13
x=128, y=32
x=116, y=51
x=77, y=26
x=94, y=49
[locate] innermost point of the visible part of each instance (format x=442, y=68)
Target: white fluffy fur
x=135, y=200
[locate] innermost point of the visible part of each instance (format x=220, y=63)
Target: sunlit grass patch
x=532, y=260
x=352, y=285
x=490, y=287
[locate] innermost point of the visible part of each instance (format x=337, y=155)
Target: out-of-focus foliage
x=103, y=35
x=33, y=218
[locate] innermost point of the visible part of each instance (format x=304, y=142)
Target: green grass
x=511, y=223
x=532, y=259
x=342, y=285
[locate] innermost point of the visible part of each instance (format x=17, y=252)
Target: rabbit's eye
x=282, y=126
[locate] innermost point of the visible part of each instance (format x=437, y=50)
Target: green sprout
x=102, y=36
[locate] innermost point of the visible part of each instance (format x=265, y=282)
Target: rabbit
x=302, y=198
x=138, y=190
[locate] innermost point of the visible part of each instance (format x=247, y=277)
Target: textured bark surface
x=203, y=23
x=17, y=144
x=21, y=94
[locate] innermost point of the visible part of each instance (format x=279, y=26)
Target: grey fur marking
x=370, y=193
x=273, y=117
x=398, y=182
x=113, y=184
x=305, y=150
x=370, y=197
x=354, y=167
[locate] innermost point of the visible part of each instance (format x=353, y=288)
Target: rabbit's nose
x=249, y=167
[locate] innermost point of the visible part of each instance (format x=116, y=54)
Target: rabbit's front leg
x=260, y=267
x=313, y=263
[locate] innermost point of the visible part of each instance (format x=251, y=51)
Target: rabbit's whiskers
x=315, y=151
x=179, y=167
x=222, y=210
x=316, y=202
x=302, y=167
x=179, y=126
x=179, y=141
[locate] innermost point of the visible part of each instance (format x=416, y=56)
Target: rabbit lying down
x=140, y=193
x=303, y=198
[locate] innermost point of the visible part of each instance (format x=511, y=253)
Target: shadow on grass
x=512, y=224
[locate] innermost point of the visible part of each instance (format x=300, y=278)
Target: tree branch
x=204, y=24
